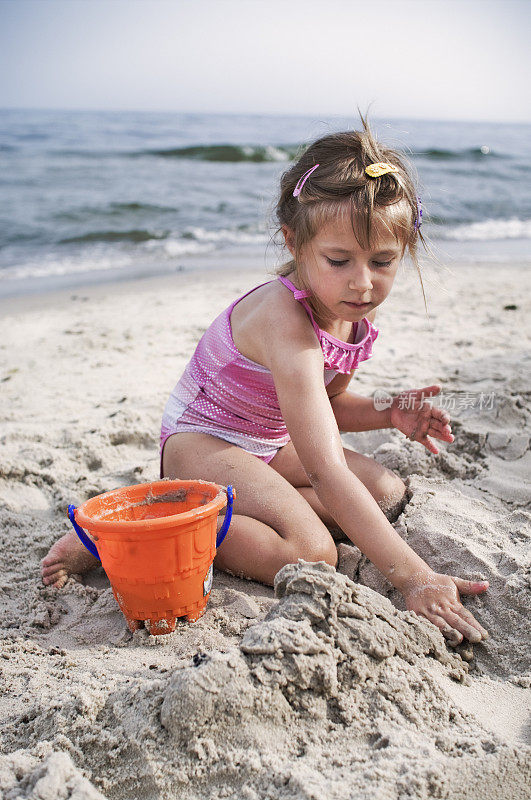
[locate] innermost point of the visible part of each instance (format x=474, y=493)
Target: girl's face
x=347, y=279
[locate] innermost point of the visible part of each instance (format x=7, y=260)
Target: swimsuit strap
x=300, y=294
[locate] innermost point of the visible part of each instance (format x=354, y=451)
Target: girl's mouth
x=357, y=305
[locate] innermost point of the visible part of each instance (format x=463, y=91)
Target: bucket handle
x=91, y=547
x=89, y=544
x=228, y=516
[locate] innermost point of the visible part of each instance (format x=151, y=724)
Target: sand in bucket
x=156, y=542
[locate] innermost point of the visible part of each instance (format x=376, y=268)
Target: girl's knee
x=317, y=551
x=392, y=497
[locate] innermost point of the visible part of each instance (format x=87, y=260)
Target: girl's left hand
x=418, y=418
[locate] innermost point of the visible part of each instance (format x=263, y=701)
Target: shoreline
x=444, y=255
x=94, y=291
x=230, y=262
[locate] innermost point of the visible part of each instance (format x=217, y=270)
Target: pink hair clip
x=298, y=189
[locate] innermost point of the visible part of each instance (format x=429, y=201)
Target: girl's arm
x=296, y=362
x=356, y=413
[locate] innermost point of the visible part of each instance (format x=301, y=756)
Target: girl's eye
x=336, y=263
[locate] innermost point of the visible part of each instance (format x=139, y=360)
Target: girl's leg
x=386, y=487
x=273, y=524
x=270, y=526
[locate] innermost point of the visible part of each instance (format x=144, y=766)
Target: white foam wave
x=173, y=248
x=491, y=229
x=274, y=154
x=200, y=240
x=226, y=235
x=51, y=266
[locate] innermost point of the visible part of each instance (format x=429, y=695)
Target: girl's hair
x=340, y=189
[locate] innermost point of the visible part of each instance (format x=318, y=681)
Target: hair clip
x=418, y=218
x=298, y=189
x=380, y=168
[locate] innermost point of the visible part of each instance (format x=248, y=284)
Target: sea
x=96, y=196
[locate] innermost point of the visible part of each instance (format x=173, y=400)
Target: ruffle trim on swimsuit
x=345, y=360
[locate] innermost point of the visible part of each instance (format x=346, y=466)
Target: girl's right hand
x=436, y=597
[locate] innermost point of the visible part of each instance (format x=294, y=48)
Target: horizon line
x=301, y=114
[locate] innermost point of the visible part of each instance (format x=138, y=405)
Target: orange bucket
x=156, y=542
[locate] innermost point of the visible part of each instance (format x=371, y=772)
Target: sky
x=431, y=59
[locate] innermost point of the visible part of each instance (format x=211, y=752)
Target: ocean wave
x=112, y=210
x=490, y=229
x=229, y=235
x=230, y=153
x=199, y=240
x=135, y=236
x=227, y=152
x=12, y=236
x=33, y=136
x=148, y=237
x=475, y=153
x=51, y=266
x=119, y=207
x=174, y=248
x=234, y=153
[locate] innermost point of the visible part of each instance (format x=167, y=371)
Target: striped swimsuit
x=226, y=395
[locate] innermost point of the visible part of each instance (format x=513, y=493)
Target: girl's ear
x=289, y=238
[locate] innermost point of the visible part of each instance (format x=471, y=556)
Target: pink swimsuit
x=225, y=394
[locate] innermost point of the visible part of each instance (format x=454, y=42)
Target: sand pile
x=333, y=691
x=53, y=777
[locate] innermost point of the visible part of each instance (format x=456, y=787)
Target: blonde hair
x=340, y=188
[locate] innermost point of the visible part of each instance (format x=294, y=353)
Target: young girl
x=264, y=397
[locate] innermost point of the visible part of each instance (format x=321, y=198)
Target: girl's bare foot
x=66, y=557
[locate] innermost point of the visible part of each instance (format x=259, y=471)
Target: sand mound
x=25, y=777
x=334, y=677
x=335, y=691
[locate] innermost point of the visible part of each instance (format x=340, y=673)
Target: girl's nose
x=360, y=282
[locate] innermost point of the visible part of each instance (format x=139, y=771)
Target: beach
x=322, y=687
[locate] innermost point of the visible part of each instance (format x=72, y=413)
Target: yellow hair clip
x=381, y=168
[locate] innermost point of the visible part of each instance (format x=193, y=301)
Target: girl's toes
x=57, y=581
x=51, y=564
x=55, y=577
x=49, y=573
x=50, y=569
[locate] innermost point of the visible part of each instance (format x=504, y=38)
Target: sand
x=323, y=686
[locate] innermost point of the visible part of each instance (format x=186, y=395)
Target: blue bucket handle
x=89, y=544
x=91, y=547
x=228, y=516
